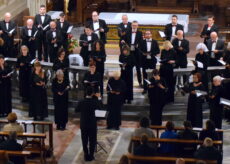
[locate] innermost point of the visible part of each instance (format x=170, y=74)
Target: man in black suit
x=54, y=41
x=149, y=48
x=7, y=32
x=88, y=123
x=208, y=29
x=123, y=28
x=41, y=21
x=181, y=47
x=63, y=26
x=86, y=42
x=134, y=38
x=172, y=28
x=98, y=26
x=216, y=49
x=29, y=36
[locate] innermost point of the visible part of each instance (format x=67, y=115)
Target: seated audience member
x=75, y=59
x=124, y=160
x=13, y=125
x=4, y=158
x=209, y=131
x=208, y=151
x=168, y=148
x=12, y=145
x=187, y=134
x=144, y=149
x=180, y=161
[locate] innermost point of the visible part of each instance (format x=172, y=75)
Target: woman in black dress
x=194, y=110
x=62, y=62
x=60, y=88
x=116, y=90
x=202, y=57
x=38, y=96
x=127, y=63
x=5, y=88
x=24, y=66
x=157, y=93
x=168, y=57
x=98, y=56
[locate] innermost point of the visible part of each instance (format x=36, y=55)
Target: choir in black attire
x=24, y=66
x=86, y=42
x=194, y=109
x=42, y=21
x=5, y=88
x=157, y=94
x=38, y=96
x=8, y=27
x=116, y=89
x=98, y=56
x=60, y=87
x=150, y=49
x=168, y=58
x=128, y=62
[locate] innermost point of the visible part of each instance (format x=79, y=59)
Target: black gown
x=38, y=98
x=216, y=109
x=166, y=71
x=5, y=91
x=194, y=109
x=60, y=102
x=92, y=80
x=63, y=65
x=128, y=62
x=115, y=102
x=157, y=97
x=24, y=75
x=204, y=59
x=100, y=65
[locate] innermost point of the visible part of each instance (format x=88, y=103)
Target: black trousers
x=89, y=140
x=42, y=48
x=137, y=65
x=52, y=53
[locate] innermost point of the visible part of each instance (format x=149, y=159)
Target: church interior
x=45, y=143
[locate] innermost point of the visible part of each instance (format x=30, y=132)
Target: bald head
x=124, y=19
x=29, y=23
x=180, y=34
x=7, y=17
x=213, y=36
x=52, y=25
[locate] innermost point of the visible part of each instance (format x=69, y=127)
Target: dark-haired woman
x=38, y=97
x=127, y=61
x=24, y=66
x=5, y=88
x=62, y=62
x=209, y=131
x=60, y=88
x=98, y=56
x=194, y=110
x=157, y=94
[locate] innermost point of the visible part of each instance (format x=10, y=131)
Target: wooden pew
x=23, y=154
x=36, y=150
x=43, y=124
x=132, y=158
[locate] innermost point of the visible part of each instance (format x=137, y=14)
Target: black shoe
x=117, y=128
x=91, y=158
x=87, y=158
x=108, y=127
x=58, y=127
x=129, y=102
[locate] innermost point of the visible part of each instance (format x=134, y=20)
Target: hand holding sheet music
x=162, y=34
x=100, y=113
x=69, y=29
x=200, y=93
x=199, y=64
x=225, y=101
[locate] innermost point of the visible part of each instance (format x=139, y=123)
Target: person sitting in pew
x=208, y=152
x=124, y=160
x=4, y=158
x=168, y=148
x=12, y=145
x=13, y=125
x=144, y=149
x=187, y=134
x=209, y=131
x=180, y=161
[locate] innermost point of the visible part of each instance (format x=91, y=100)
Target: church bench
x=43, y=125
x=29, y=145
x=167, y=160
x=23, y=154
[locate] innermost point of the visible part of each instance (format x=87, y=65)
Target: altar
x=154, y=22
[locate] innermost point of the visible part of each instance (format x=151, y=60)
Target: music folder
x=222, y=62
x=162, y=34
x=200, y=93
x=100, y=113
x=147, y=81
x=224, y=101
x=69, y=29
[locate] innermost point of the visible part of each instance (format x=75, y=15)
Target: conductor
x=88, y=124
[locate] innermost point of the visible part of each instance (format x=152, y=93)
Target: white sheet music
x=222, y=62
x=200, y=65
x=147, y=81
x=69, y=29
x=200, y=93
x=162, y=34
x=46, y=27
x=225, y=101
x=11, y=31
x=100, y=113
